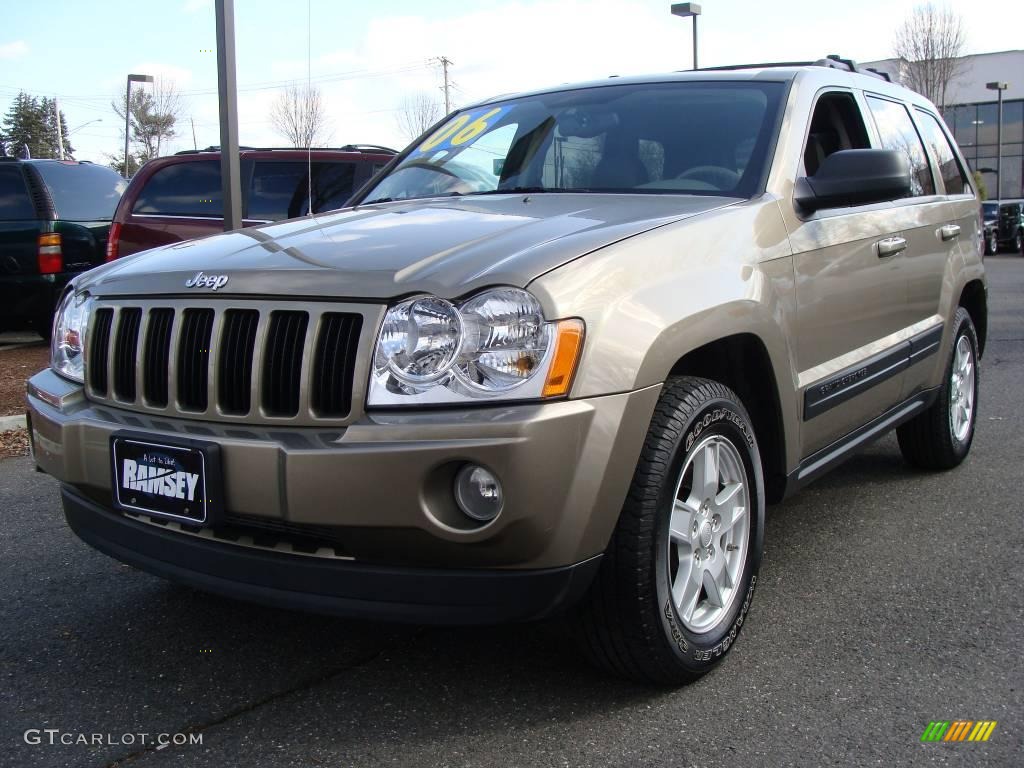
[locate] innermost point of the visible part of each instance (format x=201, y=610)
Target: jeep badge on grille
x=207, y=281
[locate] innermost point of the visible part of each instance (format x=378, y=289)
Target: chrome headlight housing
x=67, y=345
x=495, y=345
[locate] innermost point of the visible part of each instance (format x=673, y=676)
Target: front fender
x=649, y=300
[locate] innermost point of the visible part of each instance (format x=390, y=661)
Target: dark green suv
x=54, y=220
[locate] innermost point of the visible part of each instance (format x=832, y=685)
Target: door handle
x=890, y=246
x=949, y=231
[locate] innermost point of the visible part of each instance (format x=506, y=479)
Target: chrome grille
x=253, y=362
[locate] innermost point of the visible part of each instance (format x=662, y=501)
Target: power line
x=265, y=85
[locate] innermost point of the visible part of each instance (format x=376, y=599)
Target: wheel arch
x=974, y=298
x=742, y=363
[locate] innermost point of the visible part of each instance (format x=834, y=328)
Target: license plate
x=177, y=479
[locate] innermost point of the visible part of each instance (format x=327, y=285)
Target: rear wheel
x=678, y=575
x=1018, y=243
x=991, y=244
x=941, y=437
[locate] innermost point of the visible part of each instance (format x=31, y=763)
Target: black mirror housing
x=855, y=177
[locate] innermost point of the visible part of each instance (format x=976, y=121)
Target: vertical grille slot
x=282, y=362
x=99, y=351
x=193, y=358
x=333, y=358
x=238, y=340
x=157, y=356
x=126, y=345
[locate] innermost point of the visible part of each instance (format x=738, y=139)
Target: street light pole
x=999, y=87
x=77, y=128
x=227, y=92
x=128, y=111
x=689, y=9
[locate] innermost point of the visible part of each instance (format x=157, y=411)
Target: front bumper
x=380, y=489
x=354, y=590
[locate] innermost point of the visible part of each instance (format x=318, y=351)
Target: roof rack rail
x=836, y=61
x=368, y=148
x=764, y=65
x=832, y=61
x=347, y=148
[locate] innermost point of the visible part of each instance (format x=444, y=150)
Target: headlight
x=495, y=345
x=67, y=347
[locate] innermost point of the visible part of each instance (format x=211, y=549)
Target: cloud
x=195, y=6
x=14, y=50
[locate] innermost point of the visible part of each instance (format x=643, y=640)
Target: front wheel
x=678, y=575
x=941, y=437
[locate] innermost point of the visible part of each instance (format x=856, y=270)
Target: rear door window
x=82, y=191
x=280, y=189
x=183, y=189
x=898, y=132
x=953, y=176
x=15, y=203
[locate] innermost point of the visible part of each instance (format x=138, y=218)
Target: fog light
x=478, y=493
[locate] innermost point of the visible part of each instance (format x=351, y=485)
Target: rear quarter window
x=82, y=192
x=183, y=189
x=15, y=203
x=953, y=177
x=280, y=189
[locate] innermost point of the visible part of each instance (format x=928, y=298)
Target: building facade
x=972, y=112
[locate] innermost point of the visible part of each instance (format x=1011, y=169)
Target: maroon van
x=178, y=197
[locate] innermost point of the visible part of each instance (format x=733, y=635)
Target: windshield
x=82, y=191
x=990, y=209
x=693, y=138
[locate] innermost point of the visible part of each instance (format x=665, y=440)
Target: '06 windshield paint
x=691, y=138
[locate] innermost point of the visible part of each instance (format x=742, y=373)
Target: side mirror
x=855, y=177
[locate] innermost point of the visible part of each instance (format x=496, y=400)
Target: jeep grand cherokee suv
x=558, y=357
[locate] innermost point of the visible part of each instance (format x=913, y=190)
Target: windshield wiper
x=529, y=190
x=406, y=199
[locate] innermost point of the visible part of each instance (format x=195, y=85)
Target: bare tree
x=298, y=114
x=153, y=114
x=416, y=113
x=931, y=42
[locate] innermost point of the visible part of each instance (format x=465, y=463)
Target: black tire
x=628, y=621
x=927, y=441
x=991, y=244
x=1018, y=243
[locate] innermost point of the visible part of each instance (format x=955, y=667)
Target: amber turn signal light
x=568, y=345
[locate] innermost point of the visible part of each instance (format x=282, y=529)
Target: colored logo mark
x=958, y=730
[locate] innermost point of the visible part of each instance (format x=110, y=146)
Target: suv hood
x=448, y=247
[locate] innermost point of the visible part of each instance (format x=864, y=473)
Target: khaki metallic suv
x=557, y=357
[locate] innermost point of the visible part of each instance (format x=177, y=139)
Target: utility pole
x=445, y=63
x=193, y=121
x=60, y=136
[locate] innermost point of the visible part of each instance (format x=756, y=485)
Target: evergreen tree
x=31, y=124
x=23, y=127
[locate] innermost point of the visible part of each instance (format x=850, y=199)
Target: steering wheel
x=719, y=177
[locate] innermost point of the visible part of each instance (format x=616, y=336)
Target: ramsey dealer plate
x=166, y=478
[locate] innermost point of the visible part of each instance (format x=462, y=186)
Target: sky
x=366, y=58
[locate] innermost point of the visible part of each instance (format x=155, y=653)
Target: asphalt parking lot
x=888, y=599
